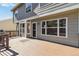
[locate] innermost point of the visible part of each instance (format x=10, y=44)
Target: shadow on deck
x=9, y=52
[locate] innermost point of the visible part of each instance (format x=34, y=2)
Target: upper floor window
x=28, y=7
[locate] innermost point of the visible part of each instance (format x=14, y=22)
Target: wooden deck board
x=35, y=47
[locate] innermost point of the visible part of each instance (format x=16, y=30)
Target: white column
x=57, y=27
x=30, y=28
x=25, y=29
x=78, y=20
x=19, y=28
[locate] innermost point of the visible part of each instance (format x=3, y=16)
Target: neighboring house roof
x=17, y=6
x=8, y=25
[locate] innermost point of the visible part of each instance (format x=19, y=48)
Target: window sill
x=28, y=33
x=55, y=36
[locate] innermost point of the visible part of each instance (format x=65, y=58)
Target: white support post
x=78, y=20
x=19, y=28
x=58, y=27
x=30, y=29
x=25, y=29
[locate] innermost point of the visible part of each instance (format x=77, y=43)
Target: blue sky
x=5, y=10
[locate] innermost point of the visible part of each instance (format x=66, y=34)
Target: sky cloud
x=5, y=10
x=7, y=17
x=7, y=4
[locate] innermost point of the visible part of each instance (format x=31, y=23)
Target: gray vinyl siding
x=22, y=12
x=52, y=7
x=73, y=37
x=42, y=4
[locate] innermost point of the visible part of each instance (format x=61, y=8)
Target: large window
x=56, y=27
x=62, y=27
x=28, y=7
x=52, y=27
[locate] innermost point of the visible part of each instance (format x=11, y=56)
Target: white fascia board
x=21, y=21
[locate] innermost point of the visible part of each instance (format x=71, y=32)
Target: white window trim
x=57, y=27
x=26, y=28
x=31, y=8
x=43, y=27
x=66, y=27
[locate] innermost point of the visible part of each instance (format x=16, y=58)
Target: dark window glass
x=52, y=31
x=43, y=30
x=1, y=30
x=62, y=22
x=28, y=8
x=62, y=32
x=23, y=25
x=34, y=26
x=52, y=23
x=34, y=33
x=43, y=24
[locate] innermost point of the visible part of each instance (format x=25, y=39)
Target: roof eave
x=17, y=6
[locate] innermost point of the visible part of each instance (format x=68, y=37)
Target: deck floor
x=20, y=46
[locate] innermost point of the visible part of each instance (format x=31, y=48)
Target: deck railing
x=4, y=40
x=12, y=33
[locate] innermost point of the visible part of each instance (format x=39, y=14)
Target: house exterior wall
x=22, y=12
x=42, y=4
x=52, y=7
x=44, y=9
x=72, y=15
x=73, y=37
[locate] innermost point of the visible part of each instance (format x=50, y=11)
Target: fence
x=12, y=33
